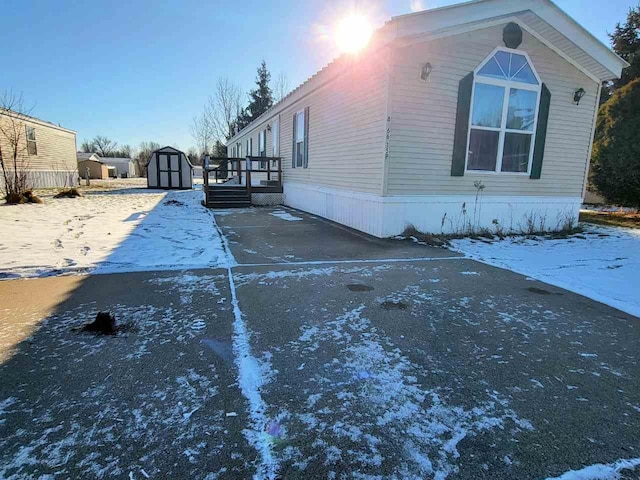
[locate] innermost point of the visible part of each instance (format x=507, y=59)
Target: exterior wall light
x=425, y=72
x=268, y=128
x=578, y=94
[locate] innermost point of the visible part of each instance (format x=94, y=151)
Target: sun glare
x=353, y=33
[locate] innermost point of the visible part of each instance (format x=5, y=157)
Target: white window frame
x=275, y=138
x=301, y=112
x=34, y=141
x=507, y=85
x=262, y=142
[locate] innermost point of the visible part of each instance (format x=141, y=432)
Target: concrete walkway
x=324, y=353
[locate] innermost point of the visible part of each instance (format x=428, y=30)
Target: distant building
x=47, y=151
x=90, y=164
x=122, y=167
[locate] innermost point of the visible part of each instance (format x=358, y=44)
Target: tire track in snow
x=250, y=377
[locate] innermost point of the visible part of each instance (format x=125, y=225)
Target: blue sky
x=142, y=69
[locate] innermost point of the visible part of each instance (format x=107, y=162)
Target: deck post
x=249, y=167
x=280, y=171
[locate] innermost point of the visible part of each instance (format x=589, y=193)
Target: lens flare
x=353, y=33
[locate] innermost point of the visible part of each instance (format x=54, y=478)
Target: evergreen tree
x=219, y=150
x=260, y=98
x=615, y=170
x=625, y=41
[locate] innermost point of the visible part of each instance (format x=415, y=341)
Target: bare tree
x=143, y=154
x=202, y=133
x=194, y=156
x=14, y=147
x=87, y=146
x=217, y=121
x=282, y=87
x=104, y=146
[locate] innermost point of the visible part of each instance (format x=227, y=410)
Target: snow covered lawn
x=107, y=232
x=603, y=263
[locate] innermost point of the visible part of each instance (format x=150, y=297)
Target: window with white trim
x=504, y=112
x=275, y=138
x=32, y=147
x=262, y=143
x=298, y=136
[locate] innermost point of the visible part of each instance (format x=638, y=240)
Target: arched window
x=504, y=113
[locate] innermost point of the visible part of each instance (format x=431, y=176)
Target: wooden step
x=215, y=204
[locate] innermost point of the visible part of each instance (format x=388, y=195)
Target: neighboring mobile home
x=122, y=167
x=46, y=151
x=457, y=119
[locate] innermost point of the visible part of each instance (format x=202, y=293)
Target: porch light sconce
x=268, y=128
x=425, y=72
x=578, y=94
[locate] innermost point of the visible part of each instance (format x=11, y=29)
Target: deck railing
x=243, y=172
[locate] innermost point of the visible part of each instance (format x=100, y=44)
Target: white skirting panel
x=437, y=214
x=361, y=211
x=50, y=179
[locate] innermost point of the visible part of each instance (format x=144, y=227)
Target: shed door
x=163, y=170
x=174, y=167
x=169, y=170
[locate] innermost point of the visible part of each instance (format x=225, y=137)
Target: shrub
x=18, y=198
x=616, y=150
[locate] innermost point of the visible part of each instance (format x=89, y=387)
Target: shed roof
x=173, y=149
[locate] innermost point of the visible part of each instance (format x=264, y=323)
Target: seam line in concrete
x=250, y=378
x=338, y=262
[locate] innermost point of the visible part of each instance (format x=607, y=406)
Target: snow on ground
x=285, y=216
x=600, y=472
x=602, y=264
x=108, y=232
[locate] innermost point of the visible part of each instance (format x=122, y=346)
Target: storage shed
x=169, y=168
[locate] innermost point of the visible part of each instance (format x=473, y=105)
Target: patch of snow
x=252, y=375
x=285, y=216
x=107, y=232
x=602, y=264
x=608, y=208
x=370, y=374
x=611, y=471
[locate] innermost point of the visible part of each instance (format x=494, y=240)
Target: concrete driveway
x=323, y=353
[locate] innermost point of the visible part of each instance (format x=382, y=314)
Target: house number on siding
x=386, y=141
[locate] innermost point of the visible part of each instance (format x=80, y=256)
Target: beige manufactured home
x=462, y=118
x=45, y=150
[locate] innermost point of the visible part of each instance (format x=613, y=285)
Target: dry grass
x=616, y=219
x=68, y=193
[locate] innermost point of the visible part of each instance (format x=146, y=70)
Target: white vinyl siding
x=423, y=119
x=346, y=128
x=56, y=147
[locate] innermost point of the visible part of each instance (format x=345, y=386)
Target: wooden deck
x=232, y=183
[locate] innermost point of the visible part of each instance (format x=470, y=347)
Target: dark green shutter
x=306, y=137
x=465, y=88
x=293, y=146
x=541, y=132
